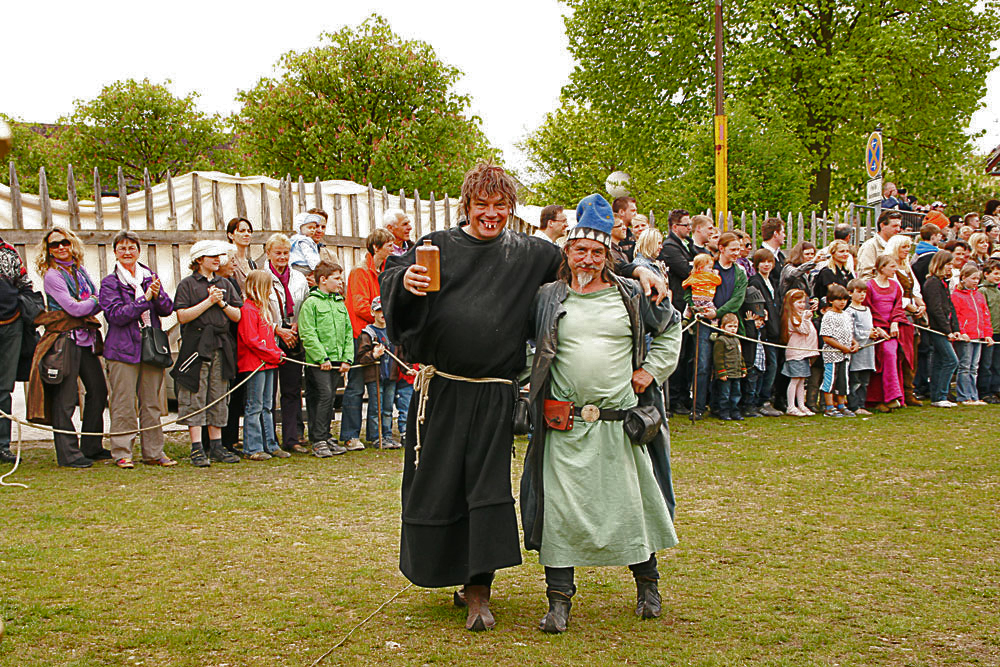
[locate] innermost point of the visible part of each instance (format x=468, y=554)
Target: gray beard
x=583, y=278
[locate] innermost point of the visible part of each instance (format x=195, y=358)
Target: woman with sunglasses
x=71, y=300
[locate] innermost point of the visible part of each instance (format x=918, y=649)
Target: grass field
x=848, y=542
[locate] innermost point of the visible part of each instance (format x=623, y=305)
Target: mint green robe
x=602, y=503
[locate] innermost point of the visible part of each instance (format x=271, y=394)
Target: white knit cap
x=207, y=249
x=305, y=218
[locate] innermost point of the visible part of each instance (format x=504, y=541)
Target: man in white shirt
x=889, y=224
x=552, y=224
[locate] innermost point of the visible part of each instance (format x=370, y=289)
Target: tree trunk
x=819, y=191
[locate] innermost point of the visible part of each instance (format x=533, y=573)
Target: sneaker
x=750, y=413
x=321, y=450
x=832, y=412
x=768, y=410
x=280, y=453
x=842, y=409
x=991, y=400
x=806, y=412
x=973, y=402
x=795, y=412
x=736, y=416
x=861, y=412
x=299, y=449
x=943, y=404
x=726, y=418
x=336, y=449
x=392, y=444
x=259, y=456
x=353, y=445
x=125, y=463
x=198, y=458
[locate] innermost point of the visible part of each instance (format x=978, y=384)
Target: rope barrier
x=370, y=617
x=984, y=341
x=17, y=462
x=786, y=347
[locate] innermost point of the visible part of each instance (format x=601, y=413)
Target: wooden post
x=852, y=223
x=265, y=208
x=241, y=202
x=172, y=199
x=418, y=223
x=43, y=194
x=385, y=198
x=217, y=214
x=98, y=201
x=754, y=223
x=102, y=258
x=447, y=211
x=743, y=222
x=402, y=200
x=318, y=193
x=175, y=255
x=16, y=212
x=812, y=227
x=302, y=194
x=151, y=258
x=802, y=227
x=283, y=204
x=195, y=202
x=72, y=200
x=433, y=214
x=148, y=199
x=338, y=215
x=123, y=199
x=288, y=207
x=354, y=216
x=371, y=209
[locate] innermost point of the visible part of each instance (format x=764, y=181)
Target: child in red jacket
x=256, y=345
x=975, y=327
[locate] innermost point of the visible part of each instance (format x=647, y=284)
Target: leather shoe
x=479, y=617
x=102, y=455
x=647, y=598
x=913, y=401
x=7, y=456
x=82, y=462
x=556, y=619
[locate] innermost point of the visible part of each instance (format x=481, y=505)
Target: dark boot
x=198, y=458
x=459, y=598
x=479, y=617
x=647, y=598
x=556, y=620
x=220, y=454
x=7, y=456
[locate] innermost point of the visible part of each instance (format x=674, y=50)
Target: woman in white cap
x=206, y=305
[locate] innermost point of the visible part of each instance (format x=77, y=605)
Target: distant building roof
x=993, y=162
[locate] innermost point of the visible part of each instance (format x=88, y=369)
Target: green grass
x=803, y=542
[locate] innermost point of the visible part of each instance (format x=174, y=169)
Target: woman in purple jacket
x=132, y=297
x=69, y=288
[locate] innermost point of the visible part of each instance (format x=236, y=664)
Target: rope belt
x=422, y=384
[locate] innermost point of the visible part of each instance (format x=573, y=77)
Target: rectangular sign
x=874, y=191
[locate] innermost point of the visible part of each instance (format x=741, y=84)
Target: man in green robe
x=589, y=496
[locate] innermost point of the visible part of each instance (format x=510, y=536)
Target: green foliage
x=32, y=150
x=367, y=106
x=823, y=73
x=140, y=124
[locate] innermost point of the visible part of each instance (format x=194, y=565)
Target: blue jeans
x=943, y=363
x=770, y=372
x=750, y=396
x=404, y=393
x=258, y=425
x=704, y=366
x=354, y=392
x=968, y=369
x=728, y=395
x=857, y=388
x=989, y=369
x=387, y=389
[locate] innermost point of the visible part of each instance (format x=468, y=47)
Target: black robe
x=458, y=516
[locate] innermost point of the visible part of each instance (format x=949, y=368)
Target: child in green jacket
x=326, y=334
x=989, y=362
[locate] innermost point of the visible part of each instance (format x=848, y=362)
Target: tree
x=33, y=150
x=832, y=69
x=141, y=125
x=367, y=106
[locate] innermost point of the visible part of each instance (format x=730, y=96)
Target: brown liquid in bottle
x=429, y=257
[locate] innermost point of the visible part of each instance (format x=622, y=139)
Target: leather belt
x=592, y=413
x=16, y=315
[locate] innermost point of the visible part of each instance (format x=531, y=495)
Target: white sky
x=513, y=53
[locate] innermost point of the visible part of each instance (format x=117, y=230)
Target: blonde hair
x=701, y=261
x=893, y=245
x=978, y=238
x=833, y=247
x=44, y=261
x=258, y=290
x=649, y=243
x=276, y=239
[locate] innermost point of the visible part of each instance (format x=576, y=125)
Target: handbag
x=155, y=347
x=55, y=365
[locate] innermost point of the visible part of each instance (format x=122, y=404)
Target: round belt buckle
x=590, y=413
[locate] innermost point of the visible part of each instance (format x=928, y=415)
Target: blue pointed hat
x=594, y=220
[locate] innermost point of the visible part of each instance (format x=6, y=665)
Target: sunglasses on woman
x=65, y=243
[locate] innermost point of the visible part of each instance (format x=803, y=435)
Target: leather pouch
x=558, y=415
x=522, y=416
x=642, y=423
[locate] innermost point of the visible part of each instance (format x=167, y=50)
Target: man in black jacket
x=676, y=254
x=15, y=278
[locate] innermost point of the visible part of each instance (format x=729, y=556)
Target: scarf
x=284, y=279
x=135, y=282
x=84, y=291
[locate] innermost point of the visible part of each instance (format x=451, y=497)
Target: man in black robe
x=458, y=520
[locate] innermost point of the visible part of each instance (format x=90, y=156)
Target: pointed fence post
x=98, y=201
x=16, y=212
x=123, y=199
x=43, y=194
